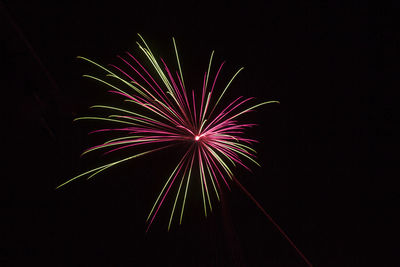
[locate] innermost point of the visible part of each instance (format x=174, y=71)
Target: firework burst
x=176, y=116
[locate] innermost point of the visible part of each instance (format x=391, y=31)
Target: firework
x=175, y=115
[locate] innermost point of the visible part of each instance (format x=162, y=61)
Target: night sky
x=315, y=147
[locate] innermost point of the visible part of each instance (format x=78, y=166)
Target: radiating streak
x=202, y=98
x=211, y=158
x=108, y=84
x=162, y=200
x=177, y=195
x=179, y=64
x=112, y=164
x=151, y=77
x=105, y=119
x=126, y=62
x=223, y=92
x=204, y=178
x=186, y=188
x=203, y=185
x=213, y=176
x=226, y=113
x=209, y=67
x=221, y=113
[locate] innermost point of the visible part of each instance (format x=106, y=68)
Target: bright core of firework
x=162, y=112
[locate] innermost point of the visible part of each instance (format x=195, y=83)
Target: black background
x=316, y=178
